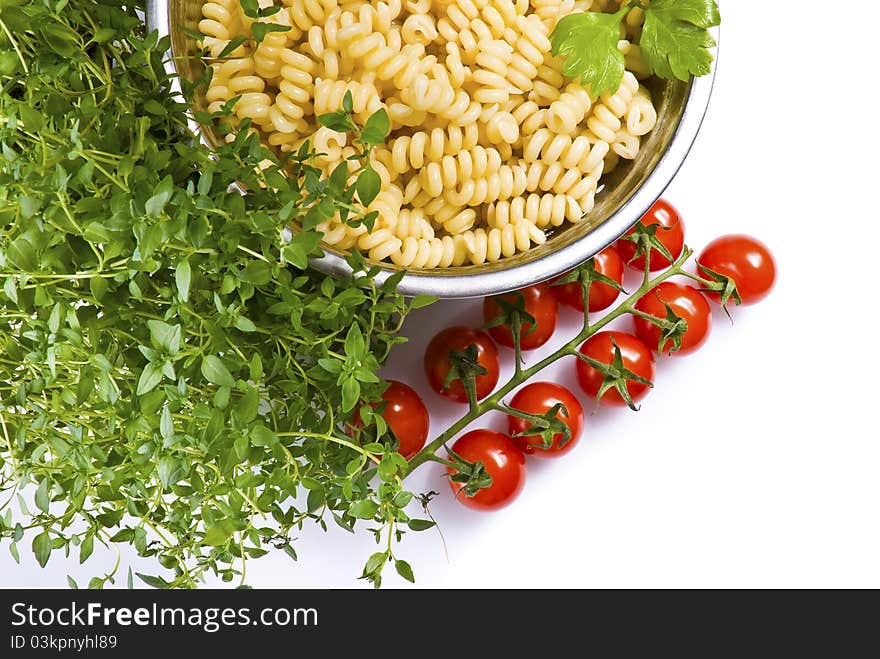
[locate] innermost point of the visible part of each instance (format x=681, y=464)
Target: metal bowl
x=627, y=193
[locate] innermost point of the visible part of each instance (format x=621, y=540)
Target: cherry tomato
x=406, y=415
x=745, y=260
x=504, y=462
x=438, y=362
x=687, y=303
x=539, y=303
x=670, y=233
x=539, y=398
x=636, y=357
x=607, y=263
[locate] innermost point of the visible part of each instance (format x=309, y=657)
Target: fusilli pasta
x=490, y=145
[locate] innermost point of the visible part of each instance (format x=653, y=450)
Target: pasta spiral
x=578, y=153
x=412, y=152
x=604, y=121
x=509, y=181
x=492, y=245
x=295, y=91
x=543, y=210
x=431, y=252
x=306, y=14
x=365, y=97
x=559, y=180
x=222, y=19
x=477, y=163
x=490, y=79
x=569, y=110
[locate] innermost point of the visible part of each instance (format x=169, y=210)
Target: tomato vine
x=585, y=275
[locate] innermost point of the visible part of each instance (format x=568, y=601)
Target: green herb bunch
x=172, y=374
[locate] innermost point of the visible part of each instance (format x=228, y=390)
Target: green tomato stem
x=570, y=348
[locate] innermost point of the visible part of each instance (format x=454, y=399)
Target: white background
x=753, y=463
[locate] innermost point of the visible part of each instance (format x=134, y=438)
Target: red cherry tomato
x=636, y=357
x=406, y=415
x=438, y=362
x=539, y=398
x=607, y=263
x=504, y=462
x=539, y=303
x=670, y=233
x=687, y=303
x=745, y=260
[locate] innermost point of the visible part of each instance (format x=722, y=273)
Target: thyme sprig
x=173, y=376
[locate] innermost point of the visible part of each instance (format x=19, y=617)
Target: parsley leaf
x=675, y=39
x=588, y=42
x=675, y=42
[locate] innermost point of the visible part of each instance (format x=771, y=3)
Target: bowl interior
x=670, y=99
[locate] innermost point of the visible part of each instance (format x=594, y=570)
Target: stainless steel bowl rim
x=554, y=263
